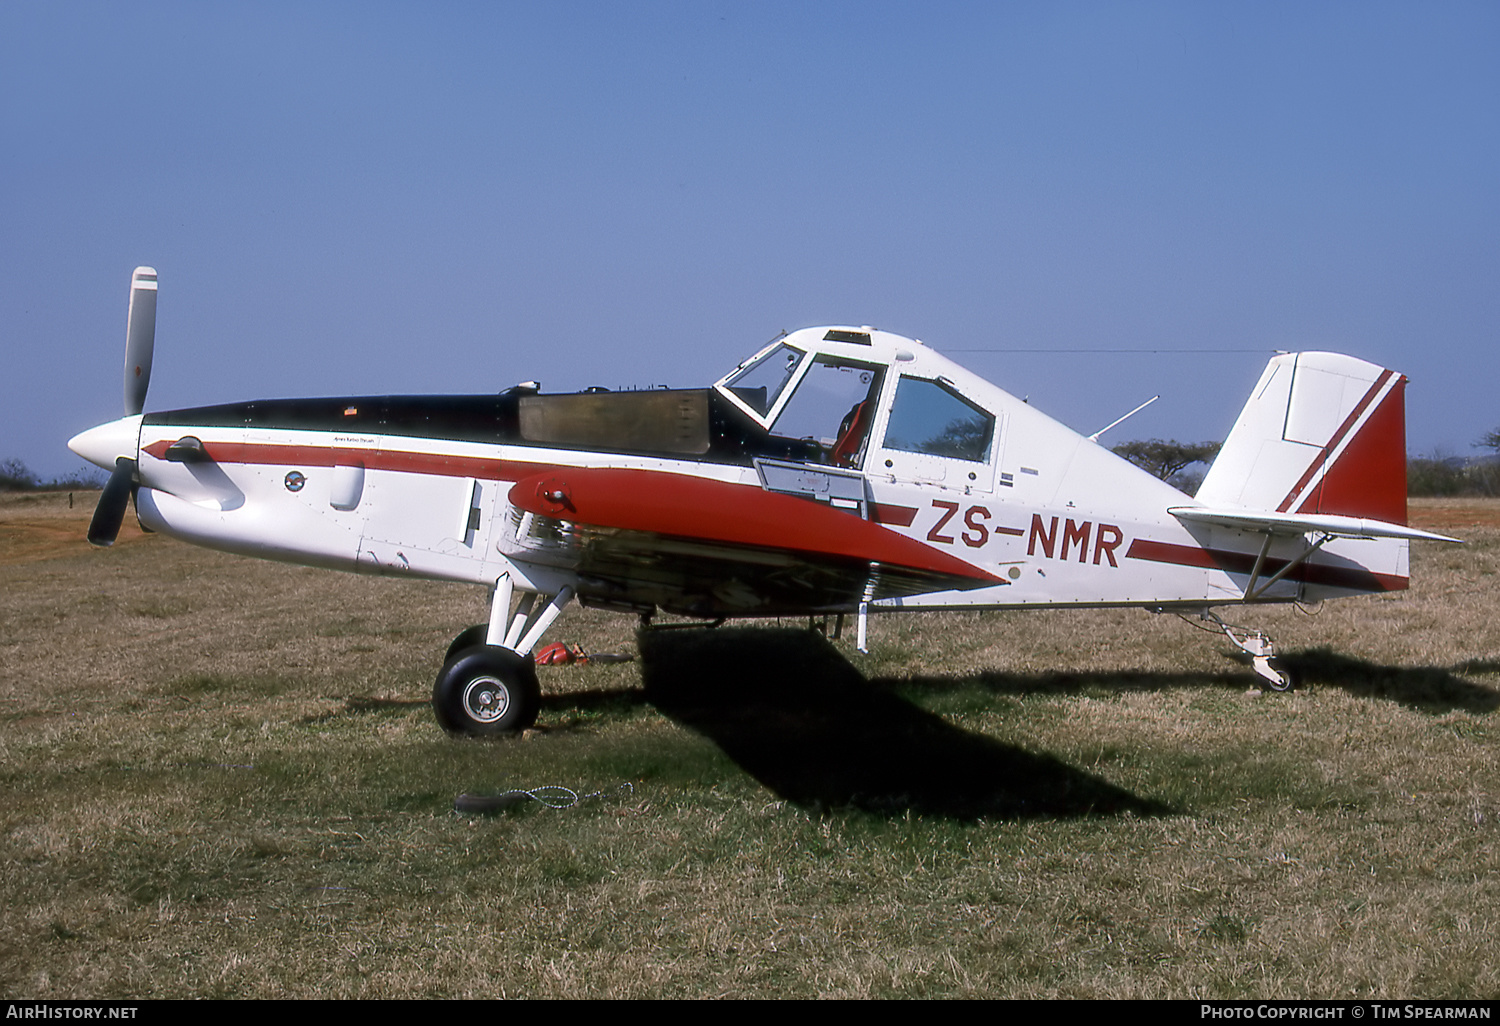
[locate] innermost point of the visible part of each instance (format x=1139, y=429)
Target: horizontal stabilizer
x=1302, y=523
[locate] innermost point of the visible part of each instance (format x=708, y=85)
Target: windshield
x=833, y=406
x=759, y=384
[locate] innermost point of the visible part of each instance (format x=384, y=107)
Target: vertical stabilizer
x=1322, y=433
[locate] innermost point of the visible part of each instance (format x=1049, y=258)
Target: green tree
x=1170, y=459
x=1436, y=475
x=1485, y=472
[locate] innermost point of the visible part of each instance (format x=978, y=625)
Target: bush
x=15, y=476
x=1437, y=476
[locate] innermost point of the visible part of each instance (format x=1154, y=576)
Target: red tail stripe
x=1333, y=443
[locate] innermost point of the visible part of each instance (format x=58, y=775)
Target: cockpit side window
x=759, y=384
x=929, y=418
x=833, y=406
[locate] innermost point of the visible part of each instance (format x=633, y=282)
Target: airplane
x=839, y=470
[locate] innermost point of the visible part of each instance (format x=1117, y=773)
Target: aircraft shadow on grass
x=791, y=711
x=1433, y=689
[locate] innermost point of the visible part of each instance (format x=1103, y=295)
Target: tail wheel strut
x=1257, y=644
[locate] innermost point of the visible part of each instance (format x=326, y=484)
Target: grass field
x=221, y=778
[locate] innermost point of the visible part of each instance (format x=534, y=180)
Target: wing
x=714, y=548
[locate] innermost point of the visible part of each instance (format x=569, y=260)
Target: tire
x=468, y=638
x=483, y=691
x=1291, y=679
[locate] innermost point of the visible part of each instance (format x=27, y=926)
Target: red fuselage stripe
x=1244, y=563
x=441, y=464
x=889, y=513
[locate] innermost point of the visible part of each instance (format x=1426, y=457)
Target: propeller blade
x=140, y=338
x=110, y=513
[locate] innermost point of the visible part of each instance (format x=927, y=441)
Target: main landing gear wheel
x=485, y=690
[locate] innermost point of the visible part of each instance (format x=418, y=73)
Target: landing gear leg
x=488, y=682
x=1262, y=652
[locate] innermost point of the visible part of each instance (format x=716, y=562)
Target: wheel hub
x=486, y=699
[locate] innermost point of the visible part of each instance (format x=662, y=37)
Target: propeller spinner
x=114, y=446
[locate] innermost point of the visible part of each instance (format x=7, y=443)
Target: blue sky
x=355, y=198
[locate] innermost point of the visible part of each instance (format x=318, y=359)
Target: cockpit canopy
x=827, y=386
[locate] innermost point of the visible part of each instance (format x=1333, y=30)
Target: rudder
x=1321, y=433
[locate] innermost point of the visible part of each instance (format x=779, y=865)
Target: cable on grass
x=554, y=796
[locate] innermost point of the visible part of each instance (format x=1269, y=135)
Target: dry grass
x=221, y=778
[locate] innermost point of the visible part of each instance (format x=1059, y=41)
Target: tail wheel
x=483, y=690
x=1290, y=678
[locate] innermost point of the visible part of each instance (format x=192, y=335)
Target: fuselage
x=991, y=503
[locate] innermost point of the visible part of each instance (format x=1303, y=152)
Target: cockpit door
x=936, y=435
